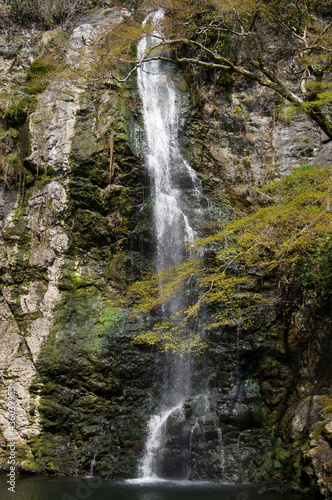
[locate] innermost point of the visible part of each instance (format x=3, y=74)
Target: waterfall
x=177, y=195
x=171, y=223
x=164, y=161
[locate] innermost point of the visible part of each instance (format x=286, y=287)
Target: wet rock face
x=261, y=410
x=212, y=439
x=308, y=426
x=173, y=456
x=253, y=418
x=63, y=260
x=191, y=444
x=95, y=389
x=238, y=139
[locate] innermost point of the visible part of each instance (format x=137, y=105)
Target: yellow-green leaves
x=278, y=241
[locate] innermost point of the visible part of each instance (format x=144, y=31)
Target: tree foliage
x=288, y=241
x=283, y=45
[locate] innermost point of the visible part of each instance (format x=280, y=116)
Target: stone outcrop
x=62, y=245
x=71, y=242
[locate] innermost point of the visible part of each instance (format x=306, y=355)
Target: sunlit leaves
x=253, y=39
x=275, y=241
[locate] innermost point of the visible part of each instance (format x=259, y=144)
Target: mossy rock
x=15, y=113
x=39, y=68
x=90, y=229
x=84, y=195
x=95, y=384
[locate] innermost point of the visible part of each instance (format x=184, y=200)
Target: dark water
x=31, y=488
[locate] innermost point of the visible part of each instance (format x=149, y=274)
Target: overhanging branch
x=261, y=74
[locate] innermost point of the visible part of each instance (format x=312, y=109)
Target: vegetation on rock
x=93, y=387
x=287, y=241
x=47, y=13
x=284, y=46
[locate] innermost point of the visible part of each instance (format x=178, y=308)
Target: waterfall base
x=181, y=438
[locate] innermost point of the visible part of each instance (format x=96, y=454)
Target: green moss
x=35, y=89
x=109, y=316
x=30, y=464
x=85, y=195
x=91, y=167
x=304, y=167
x=318, y=432
x=14, y=110
x=100, y=208
x=126, y=132
x=90, y=229
x=22, y=453
x=115, y=270
x=39, y=68
x=76, y=280
x=45, y=458
x=83, y=318
x=225, y=81
x=11, y=133
x=276, y=456
x=259, y=413
x=40, y=181
x=73, y=362
x=21, y=270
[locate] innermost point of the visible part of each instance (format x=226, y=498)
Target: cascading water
x=163, y=158
x=177, y=196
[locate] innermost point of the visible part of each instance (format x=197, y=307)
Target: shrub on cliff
x=47, y=13
x=283, y=45
x=251, y=260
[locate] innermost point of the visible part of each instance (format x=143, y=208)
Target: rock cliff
x=75, y=229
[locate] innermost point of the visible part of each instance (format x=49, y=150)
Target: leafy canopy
x=283, y=45
x=287, y=241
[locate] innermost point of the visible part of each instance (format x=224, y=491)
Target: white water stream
x=163, y=157
x=174, y=210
